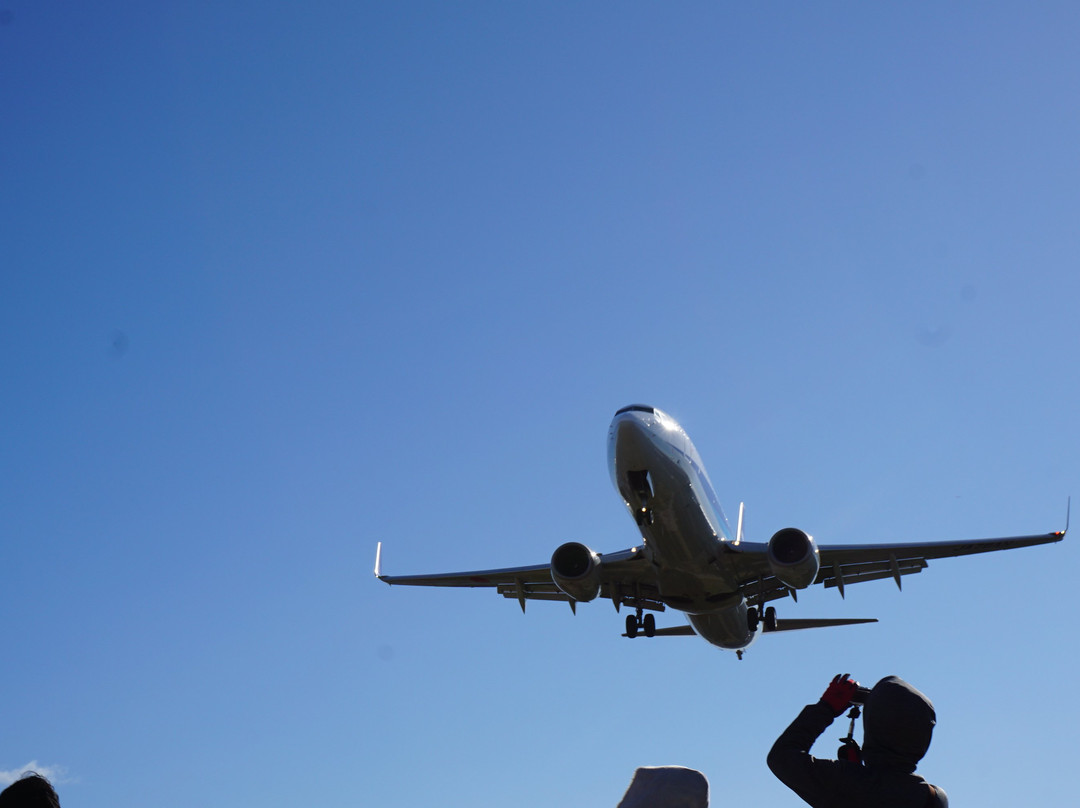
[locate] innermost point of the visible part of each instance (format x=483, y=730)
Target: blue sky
x=281, y=282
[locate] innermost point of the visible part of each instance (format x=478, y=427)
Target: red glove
x=839, y=692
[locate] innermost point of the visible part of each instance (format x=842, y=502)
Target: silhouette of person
x=30, y=791
x=666, y=787
x=898, y=722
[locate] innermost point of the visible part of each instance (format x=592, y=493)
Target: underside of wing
x=624, y=578
x=844, y=564
x=855, y=563
x=534, y=575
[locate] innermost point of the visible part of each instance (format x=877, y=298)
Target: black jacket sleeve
x=815, y=780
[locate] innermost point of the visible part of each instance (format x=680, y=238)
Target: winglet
x=378, y=561
x=1061, y=533
x=738, y=530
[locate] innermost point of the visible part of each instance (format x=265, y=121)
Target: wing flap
x=532, y=591
x=534, y=595
x=761, y=590
x=646, y=599
x=869, y=571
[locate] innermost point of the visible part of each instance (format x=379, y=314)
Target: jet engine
x=575, y=569
x=793, y=557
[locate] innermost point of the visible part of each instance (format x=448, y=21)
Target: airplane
x=690, y=560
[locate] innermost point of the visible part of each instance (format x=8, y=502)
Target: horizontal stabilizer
x=827, y=622
x=673, y=631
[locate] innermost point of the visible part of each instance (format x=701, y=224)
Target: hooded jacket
x=666, y=787
x=898, y=722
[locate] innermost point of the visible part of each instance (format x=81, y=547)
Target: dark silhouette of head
x=31, y=791
x=898, y=722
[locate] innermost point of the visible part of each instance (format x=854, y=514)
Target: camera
x=860, y=695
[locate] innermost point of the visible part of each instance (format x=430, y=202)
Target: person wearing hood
x=30, y=791
x=666, y=787
x=898, y=722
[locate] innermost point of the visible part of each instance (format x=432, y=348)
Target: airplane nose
x=630, y=435
x=643, y=408
x=639, y=431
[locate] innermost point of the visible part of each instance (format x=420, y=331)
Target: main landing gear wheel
x=635, y=623
x=770, y=619
x=754, y=618
x=649, y=625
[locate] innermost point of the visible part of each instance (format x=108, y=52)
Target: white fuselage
x=662, y=480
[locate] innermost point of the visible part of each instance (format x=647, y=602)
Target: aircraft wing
x=625, y=577
x=843, y=564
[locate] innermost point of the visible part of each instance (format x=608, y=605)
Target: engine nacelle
x=575, y=569
x=793, y=557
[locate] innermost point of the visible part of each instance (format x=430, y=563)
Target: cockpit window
x=636, y=408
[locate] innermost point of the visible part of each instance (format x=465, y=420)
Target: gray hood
x=898, y=722
x=666, y=787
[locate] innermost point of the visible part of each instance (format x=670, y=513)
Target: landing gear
x=635, y=623
x=639, y=483
x=739, y=653
x=770, y=619
x=754, y=618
